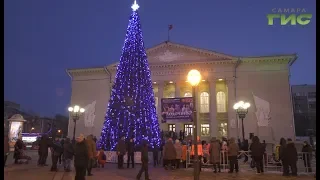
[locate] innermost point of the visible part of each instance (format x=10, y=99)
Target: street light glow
x=81, y=110
x=241, y=105
x=194, y=77
x=70, y=109
x=76, y=108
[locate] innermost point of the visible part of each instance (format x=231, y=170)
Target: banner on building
x=89, y=114
x=176, y=110
x=262, y=111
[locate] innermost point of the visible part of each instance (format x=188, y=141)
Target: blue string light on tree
x=131, y=110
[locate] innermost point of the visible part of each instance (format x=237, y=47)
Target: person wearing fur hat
x=233, y=151
x=214, y=152
x=170, y=154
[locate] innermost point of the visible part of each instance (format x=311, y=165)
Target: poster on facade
x=176, y=110
x=262, y=111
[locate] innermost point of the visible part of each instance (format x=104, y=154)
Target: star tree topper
x=135, y=6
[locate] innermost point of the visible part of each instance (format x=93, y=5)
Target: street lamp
x=194, y=77
x=75, y=113
x=242, y=110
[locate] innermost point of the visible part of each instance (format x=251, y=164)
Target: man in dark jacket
x=67, y=154
x=81, y=158
x=56, y=151
x=6, y=148
x=44, y=144
x=291, y=156
x=121, y=151
x=130, y=150
x=284, y=161
x=145, y=161
x=245, y=147
x=257, y=151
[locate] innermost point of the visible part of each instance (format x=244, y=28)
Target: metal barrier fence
x=270, y=164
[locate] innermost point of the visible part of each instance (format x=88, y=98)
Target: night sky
x=45, y=37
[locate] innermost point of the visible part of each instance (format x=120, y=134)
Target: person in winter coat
x=102, y=158
x=121, y=151
x=18, y=148
x=145, y=161
x=170, y=154
x=61, y=155
x=307, y=155
x=91, y=145
x=44, y=145
x=81, y=158
x=67, y=154
x=178, y=149
x=214, y=152
x=184, y=154
x=130, y=151
x=281, y=155
x=291, y=156
x=257, y=151
x=233, y=150
x=6, y=149
x=155, y=152
x=245, y=147
x=56, y=151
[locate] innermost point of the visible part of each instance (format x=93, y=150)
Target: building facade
x=225, y=80
x=304, y=105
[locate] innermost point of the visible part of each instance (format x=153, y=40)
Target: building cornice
x=166, y=68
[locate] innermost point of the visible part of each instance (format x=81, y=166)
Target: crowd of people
x=173, y=154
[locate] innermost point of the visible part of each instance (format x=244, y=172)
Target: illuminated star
x=135, y=6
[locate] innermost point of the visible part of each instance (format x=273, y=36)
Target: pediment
x=172, y=53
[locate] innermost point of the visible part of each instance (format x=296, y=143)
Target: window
x=205, y=130
x=172, y=127
x=188, y=129
x=221, y=102
x=171, y=95
x=312, y=105
x=204, y=102
x=187, y=94
x=223, y=127
x=311, y=94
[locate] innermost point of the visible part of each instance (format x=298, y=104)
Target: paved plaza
x=32, y=172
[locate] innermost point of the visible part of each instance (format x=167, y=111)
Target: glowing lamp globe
x=194, y=77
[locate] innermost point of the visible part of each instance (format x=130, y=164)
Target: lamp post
x=194, y=77
x=242, y=110
x=75, y=113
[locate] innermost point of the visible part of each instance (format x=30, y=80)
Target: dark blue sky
x=45, y=37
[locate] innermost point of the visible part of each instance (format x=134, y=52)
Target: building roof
x=169, y=54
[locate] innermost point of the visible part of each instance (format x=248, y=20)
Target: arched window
x=204, y=102
x=221, y=102
x=187, y=94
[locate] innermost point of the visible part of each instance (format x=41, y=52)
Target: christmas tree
x=131, y=110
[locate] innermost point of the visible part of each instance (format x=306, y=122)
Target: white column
x=213, y=109
x=177, y=95
x=160, y=96
x=232, y=117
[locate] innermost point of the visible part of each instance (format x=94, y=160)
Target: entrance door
x=172, y=127
x=188, y=129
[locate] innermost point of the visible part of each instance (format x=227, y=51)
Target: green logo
x=289, y=15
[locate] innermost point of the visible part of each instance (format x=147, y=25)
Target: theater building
x=226, y=79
